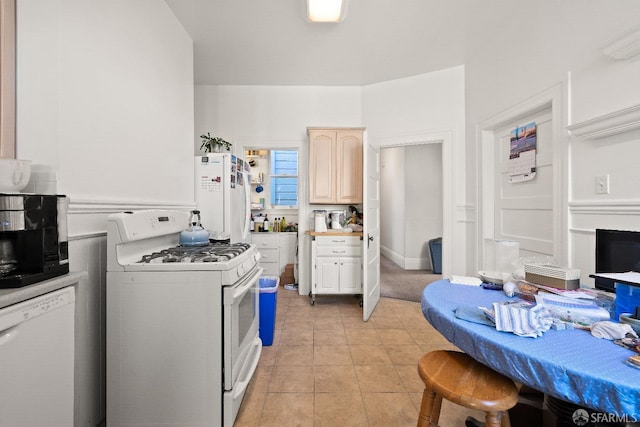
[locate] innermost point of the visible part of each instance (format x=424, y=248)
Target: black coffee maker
x=33, y=238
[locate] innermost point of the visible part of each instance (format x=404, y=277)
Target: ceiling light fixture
x=326, y=10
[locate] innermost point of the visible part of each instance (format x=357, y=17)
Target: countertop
x=15, y=295
x=335, y=233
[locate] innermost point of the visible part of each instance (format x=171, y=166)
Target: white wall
x=411, y=203
x=604, y=91
x=605, y=85
x=508, y=66
x=277, y=117
x=392, y=204
x=105, y=112
x=428, y=108
x=423, y=217
x=267, y=115
x=105, y=98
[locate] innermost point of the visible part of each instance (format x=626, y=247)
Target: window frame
x=271, y=177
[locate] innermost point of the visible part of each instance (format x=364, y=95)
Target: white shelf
x=625, y=120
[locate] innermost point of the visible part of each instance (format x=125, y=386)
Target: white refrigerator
x=222, y=191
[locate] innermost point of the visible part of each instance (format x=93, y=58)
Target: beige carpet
x=398, y=283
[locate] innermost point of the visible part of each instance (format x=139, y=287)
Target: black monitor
x=617, y=251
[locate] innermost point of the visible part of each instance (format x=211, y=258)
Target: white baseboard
x=392, y=255
x=404, y=262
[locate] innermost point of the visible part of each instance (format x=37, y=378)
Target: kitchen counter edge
x=13, y=296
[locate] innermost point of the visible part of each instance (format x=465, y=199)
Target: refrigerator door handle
x=247, y=206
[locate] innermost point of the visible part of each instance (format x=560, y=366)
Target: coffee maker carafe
x=33, y=238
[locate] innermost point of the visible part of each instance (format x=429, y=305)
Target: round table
x=571, y=365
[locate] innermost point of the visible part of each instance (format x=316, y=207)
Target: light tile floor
x=327, y=367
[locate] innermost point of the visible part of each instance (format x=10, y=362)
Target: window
x=283, y=177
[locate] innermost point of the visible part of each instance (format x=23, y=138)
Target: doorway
x=530, y=212
x=411, y=214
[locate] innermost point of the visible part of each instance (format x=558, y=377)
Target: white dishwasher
x=37, y=361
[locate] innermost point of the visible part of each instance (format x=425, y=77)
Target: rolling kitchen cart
x=336, y=260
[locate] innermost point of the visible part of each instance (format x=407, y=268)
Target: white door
x=524, y=211
x=371, y=249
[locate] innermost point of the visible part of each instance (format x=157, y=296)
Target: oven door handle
x=246, y=286
x=241, y=386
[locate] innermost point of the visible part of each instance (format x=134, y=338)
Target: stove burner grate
x=187, y=254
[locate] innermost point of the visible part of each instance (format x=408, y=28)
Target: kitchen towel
x=522, y=320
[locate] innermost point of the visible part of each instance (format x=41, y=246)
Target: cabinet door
x=350, y=275
x=327, y=275
x=322, y=164
x=288, y=243
x=349, y=167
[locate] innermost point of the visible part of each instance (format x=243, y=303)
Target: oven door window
x=241, y=325
x=247, y=314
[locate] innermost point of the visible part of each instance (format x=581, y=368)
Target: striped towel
x=521, y=320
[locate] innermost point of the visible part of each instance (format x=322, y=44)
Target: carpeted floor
x=398, y=283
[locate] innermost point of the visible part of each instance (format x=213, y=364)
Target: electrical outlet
x=602, y=184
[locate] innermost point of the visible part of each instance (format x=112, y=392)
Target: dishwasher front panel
x=37, y=361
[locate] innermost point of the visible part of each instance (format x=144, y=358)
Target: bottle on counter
x=252, y=224
x=265, y=225
x=283, y=224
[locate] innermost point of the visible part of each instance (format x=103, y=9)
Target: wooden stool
x=460, y=379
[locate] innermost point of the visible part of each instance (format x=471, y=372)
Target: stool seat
x=460, y=379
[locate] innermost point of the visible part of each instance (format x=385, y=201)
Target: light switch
x=602, y=184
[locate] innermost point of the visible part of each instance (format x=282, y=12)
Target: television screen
x=617, y=251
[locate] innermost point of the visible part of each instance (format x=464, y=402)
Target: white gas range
x=182, y=324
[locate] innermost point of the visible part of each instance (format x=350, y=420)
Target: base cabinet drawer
x=269, y=255
x=338, y=241
x=339, y=251
x=270, y=268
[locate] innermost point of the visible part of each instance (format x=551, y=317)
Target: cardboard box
x=287, y=277
x=287, y=280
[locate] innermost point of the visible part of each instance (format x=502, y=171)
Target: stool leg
x=504, y=419
x=429, y=409
x=435, y=412
x=497, y=419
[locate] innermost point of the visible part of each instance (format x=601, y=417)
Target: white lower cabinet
x=276, y=251
x=336, y=265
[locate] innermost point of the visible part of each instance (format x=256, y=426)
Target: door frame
x=552, y=98
x=452, y=178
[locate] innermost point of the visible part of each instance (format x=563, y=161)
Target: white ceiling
x=270, y=42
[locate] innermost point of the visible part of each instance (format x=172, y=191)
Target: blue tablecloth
x=571, y=365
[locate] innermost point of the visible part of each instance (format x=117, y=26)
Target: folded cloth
x=473, y=314
x=611, y=331
x=525, y=321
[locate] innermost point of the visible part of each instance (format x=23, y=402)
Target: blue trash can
x=268, y=299
x=435, y=248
